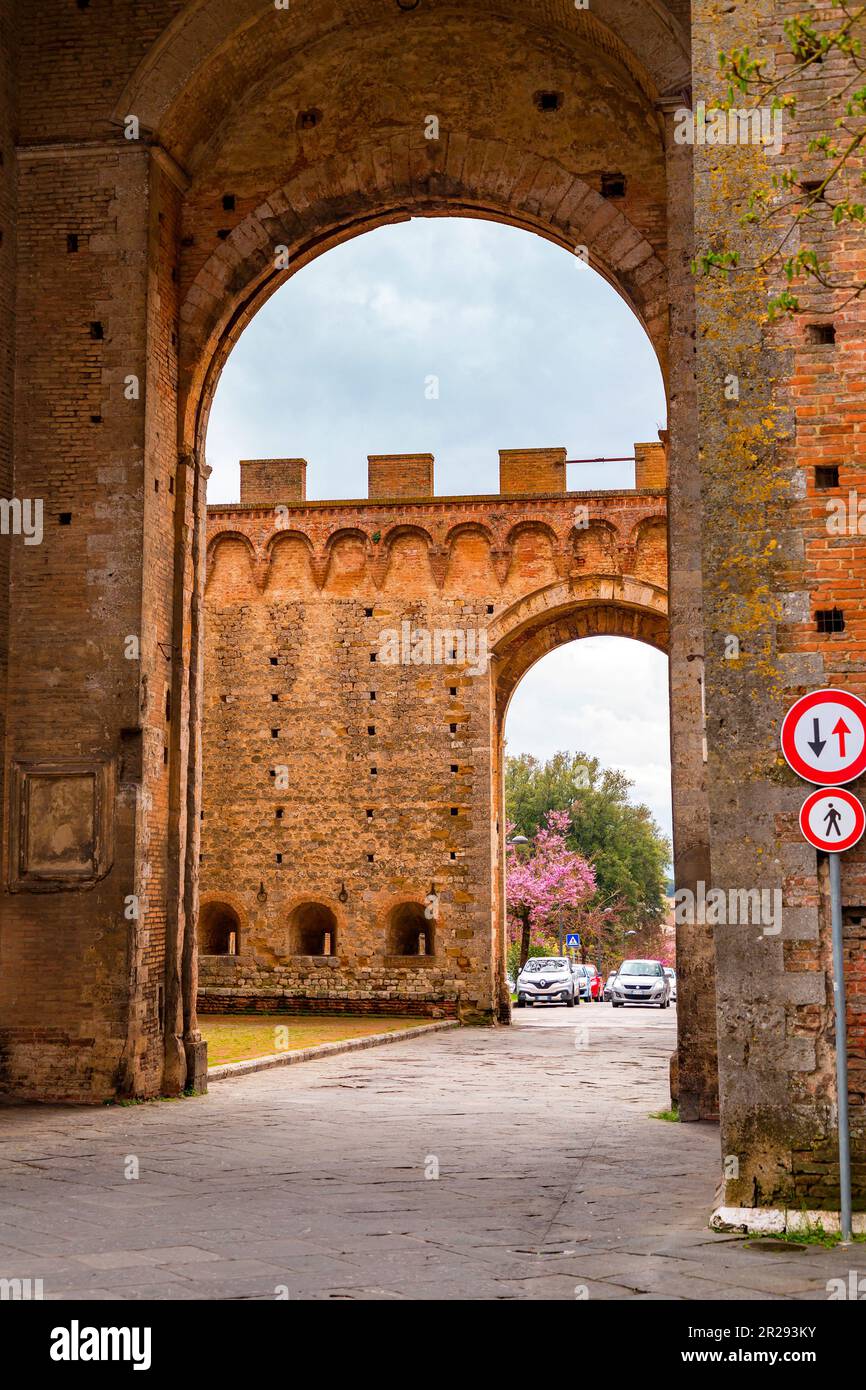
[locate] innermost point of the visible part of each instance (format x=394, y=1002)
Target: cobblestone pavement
x=553, y=1183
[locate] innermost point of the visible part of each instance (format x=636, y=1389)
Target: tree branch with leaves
x=792, y=208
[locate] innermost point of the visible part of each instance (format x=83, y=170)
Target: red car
x=596, y=984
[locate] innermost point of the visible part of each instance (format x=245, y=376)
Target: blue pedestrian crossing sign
x=572, y=938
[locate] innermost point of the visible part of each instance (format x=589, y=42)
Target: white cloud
x=528, y=349
x=605, y=696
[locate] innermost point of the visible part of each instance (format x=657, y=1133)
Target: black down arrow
x=817, y=743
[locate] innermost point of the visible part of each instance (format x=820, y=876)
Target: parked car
x=672, y=976
x=641, y=982
x=608, y=986
x=510, y=983
x=546, y=980
x=583, y=980
x=596, y=984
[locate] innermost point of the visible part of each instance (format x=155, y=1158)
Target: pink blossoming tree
x=550, y=881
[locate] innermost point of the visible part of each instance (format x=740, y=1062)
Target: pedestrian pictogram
x=824, y=737
x=832, y=821
x=572, y=939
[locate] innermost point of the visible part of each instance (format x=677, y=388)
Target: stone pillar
x=95, y=738
x=531, y=471
x=650, y=465
x=8, y=200
x=271, y=481
x=697, y=1062
x=399, y=476
x=756, y=382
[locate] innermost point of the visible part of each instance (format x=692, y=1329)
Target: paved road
x=553, y=1182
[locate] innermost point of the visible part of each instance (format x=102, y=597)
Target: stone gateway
x=165, y=165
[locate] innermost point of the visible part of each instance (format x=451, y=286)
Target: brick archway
x=257, y=130
x=597, y=606
x=615, y=606
x=462, y=176
x=253, y=178
x=213, y=49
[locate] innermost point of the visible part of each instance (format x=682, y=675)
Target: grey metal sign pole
x=833, y=820
x=841, y=1048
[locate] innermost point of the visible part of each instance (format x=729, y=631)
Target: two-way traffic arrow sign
x=824, y=737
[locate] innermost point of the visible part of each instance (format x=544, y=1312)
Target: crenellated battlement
x=411, y=477
x=559, y=533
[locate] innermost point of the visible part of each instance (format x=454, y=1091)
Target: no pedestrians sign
x=824, y=737
x=832, y=820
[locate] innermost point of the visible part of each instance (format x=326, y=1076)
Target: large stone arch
x=184, y=223
x=179, y=87
x=378, y=186
x=220, y=96
x=598, y=605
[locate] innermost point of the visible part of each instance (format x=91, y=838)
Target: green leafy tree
x=626, y=848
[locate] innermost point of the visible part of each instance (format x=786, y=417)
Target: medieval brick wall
x=351, y=730
x=8, y=199
x=293, y=130
x=798, y=407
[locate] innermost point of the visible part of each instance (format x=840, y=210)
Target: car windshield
x=542, y=963
x=641, y=967
x=669, y=971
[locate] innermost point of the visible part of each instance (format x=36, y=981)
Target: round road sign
x=832, y=820
x=824, y=737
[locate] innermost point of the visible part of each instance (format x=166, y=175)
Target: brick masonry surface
x=358, y=660
x=165, y=167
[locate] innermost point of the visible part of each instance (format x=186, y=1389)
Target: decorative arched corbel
x=626, y=555
x=563, y=559
x=500, y=557
x=261, y=569
x=438, y=557
x=319, y=561
x=378, y=560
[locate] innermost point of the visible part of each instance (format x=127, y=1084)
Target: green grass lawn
x=237, y=1037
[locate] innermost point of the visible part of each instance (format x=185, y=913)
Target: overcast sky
x=530, y=348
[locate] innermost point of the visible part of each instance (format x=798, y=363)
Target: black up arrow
x=817, y=743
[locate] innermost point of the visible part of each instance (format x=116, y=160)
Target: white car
x=672, y=976
x=546, y=980
x=641, y=982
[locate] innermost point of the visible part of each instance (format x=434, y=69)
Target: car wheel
x=520, y=1004
x=570, y=1001
x=615, y=1004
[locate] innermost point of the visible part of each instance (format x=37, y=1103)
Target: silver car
x=546, y=980
x=672, y=976
x=641, y=982
x=583, y=980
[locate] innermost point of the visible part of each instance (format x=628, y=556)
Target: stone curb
x=779, y=1220
x=332, y=1049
